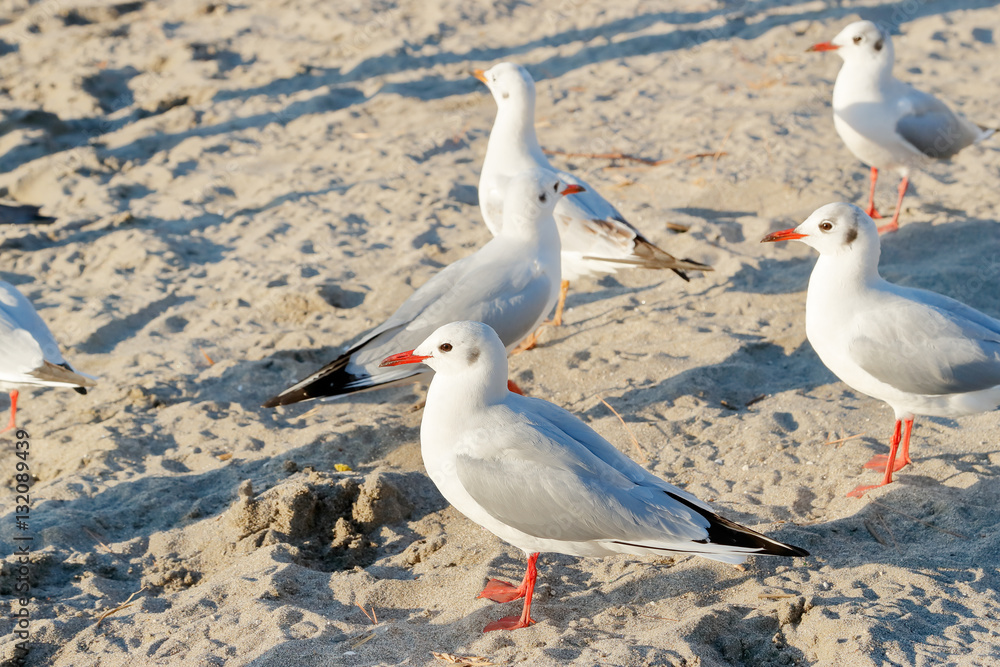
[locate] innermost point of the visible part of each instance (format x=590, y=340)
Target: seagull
x=542, y=480
x=886, y=123
x=29, y=355
x=920, y=352
x=596, y=238
x=512, y=283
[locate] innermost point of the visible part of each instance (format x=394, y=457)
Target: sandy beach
x=243, y=189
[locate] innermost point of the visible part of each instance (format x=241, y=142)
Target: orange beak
x=403, y=358
x=572, y=189
x=480, y=74
x=823, y=46
x=783, y=235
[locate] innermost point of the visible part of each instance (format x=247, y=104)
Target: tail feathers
x=332, y=380
x=648, y=256
x=62, y=374
x=987, y=132
x=723, y=532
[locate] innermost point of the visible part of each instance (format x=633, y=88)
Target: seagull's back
x=539, y=478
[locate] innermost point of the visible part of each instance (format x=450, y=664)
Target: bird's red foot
x=508, y=623
x=891, y=227
x=501, y=591
x=880, y=461
x=862, y=490
x=512, y=386
x=873, y=213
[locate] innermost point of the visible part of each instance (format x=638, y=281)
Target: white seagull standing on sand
x=596, y=238
x=512, y=283
x=29, y=355
x=886, y=123
x=539, y=478
x=920, y=352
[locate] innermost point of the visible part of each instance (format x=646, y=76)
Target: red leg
x=528, y=584
x=906, y=443
x=894, y=224
x=13, y=411
x=512, y=386
x=880, y=461
x=871, y=196
x=890, y=462
x=561, y=304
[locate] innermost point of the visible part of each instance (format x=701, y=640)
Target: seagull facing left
x=539, y=478
x=29, y=355
x=920, y=352
x=512, y=282
x=886, y=123
x=596, y=239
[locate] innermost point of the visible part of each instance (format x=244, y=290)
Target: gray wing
x=511, y=299
x=932, y=128
x=25, y=342
x=929, y=344
x=590, y=225
x=533, y=476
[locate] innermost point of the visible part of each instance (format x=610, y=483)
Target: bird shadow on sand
x=757, y=368
x=942, y=535
x=605, y=42
x=960, y=259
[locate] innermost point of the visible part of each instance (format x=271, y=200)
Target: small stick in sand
x=207, y=358
x=371, y=617
x=635, y=158
x=755, y=399
x=635, y=440
x=776, y=596
x=845, y=439
x=127, y=603
x=462, y=660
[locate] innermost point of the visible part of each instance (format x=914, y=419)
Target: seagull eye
x=878, y=45
x=555, y=187
x=857, y=39
x=445, y=347
x=825, y=226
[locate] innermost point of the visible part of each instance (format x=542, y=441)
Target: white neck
x=513, y=138
x=452, y=398
x=847, y=271
x=861, y=81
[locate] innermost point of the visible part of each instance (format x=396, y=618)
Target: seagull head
x=860, y=42
x=459, y=348
x=531, y=198
x=511, y=86
x=834, y=229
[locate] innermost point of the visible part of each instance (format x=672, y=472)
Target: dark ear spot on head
x=505, y=95
x=878, y=45
x=473, y=355
x=852, y=234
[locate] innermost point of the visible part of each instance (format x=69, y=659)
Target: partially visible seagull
x=886, y=123
x=29, y=355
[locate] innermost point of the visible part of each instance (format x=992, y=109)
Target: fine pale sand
x=259, y=183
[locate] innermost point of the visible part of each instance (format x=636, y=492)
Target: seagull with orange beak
x=886, y=123
x=540, y=479
x=596, y=238
x=511, y=283
x=920, y=352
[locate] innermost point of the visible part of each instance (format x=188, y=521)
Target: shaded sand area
x=257, y=184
